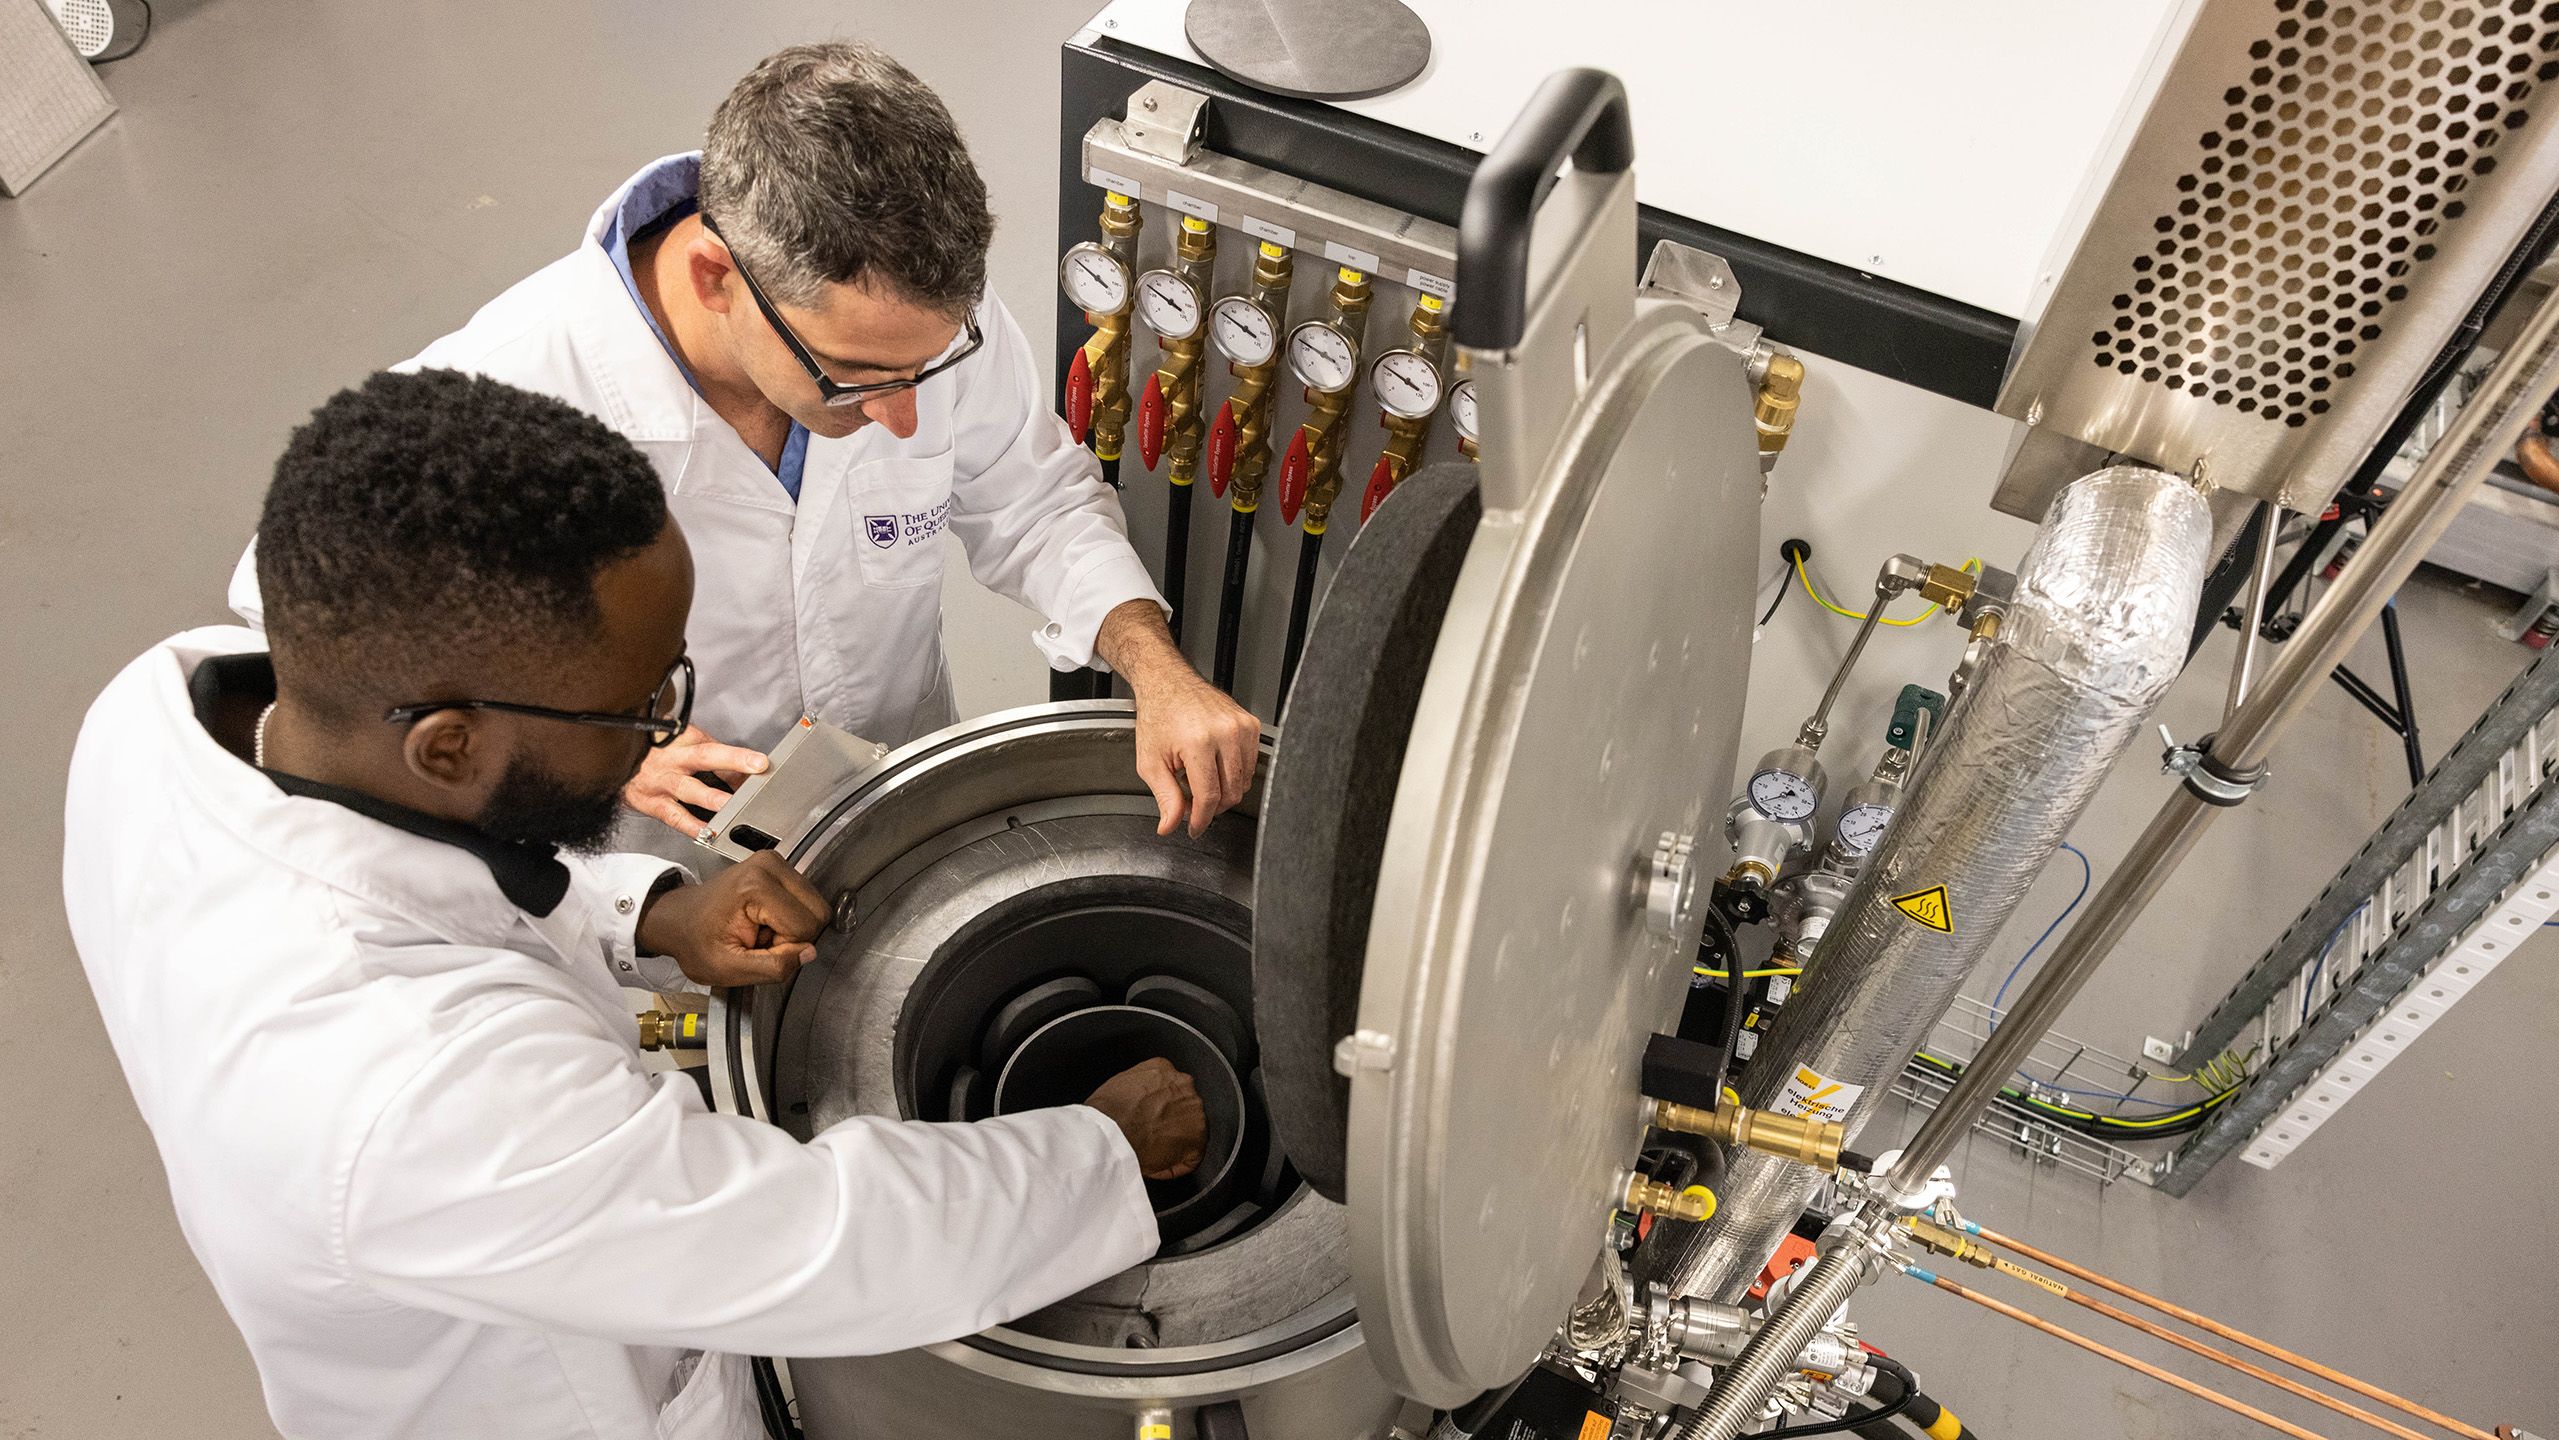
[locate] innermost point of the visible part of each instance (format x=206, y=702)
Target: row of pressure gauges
x=1406, y=382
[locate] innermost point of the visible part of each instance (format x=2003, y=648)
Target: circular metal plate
x=1585, y=697
x=1312, y=49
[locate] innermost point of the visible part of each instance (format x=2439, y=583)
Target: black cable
x=139, y=41
x=2421, y=398
x=1884, y=1367
x=1771, y=612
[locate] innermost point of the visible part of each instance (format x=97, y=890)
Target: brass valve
x=1311, y=476
x=1407, y=434
x=1780, y=391
x=1246, y=421
x=1184, y=428
x=672, y=1030
x=1929, y=1235
x=1106, y=350
x=1655, y=1198
x=1789, y=1137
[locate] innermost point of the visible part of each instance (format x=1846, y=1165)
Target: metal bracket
x=1166, y=121
x=2540, y=609
x=1363, y=1050
x=1706, y=283
x=2204, y=779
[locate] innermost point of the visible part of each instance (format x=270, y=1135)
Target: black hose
x=1301, y=606
x=1470, y=1418
x=769, y=1401
x=1893, y=1381
x=1230, y=596
x=1177, y=554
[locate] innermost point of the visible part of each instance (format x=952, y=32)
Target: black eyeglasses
x=829, y=390
x=669, y=710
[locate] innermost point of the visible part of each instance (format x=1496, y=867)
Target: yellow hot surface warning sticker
x=1929, y=907
x=1811, y=1094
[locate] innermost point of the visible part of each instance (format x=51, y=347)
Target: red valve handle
x=1292, y=484
x=1150, y=421
x=1381, y=482
x=1221, y=449
x=1079, y=397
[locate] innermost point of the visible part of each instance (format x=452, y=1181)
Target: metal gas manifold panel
x=2316, y=195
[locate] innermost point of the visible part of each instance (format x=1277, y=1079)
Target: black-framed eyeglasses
x=669, y=710
x=830, y=391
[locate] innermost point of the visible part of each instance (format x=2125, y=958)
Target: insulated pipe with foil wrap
x=2094, y=637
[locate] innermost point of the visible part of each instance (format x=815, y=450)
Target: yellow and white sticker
x=1810, y=1093
x=1929, y=907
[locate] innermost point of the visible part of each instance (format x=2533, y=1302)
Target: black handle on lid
x=1579, y=115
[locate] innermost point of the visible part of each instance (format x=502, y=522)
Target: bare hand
x=1196, y=750
x=665, y=784
x=1158, y=1109
x=748, y=925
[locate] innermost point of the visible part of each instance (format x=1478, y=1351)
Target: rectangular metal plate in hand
x=772, y=811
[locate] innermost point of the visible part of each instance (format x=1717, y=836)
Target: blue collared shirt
x=663, y=194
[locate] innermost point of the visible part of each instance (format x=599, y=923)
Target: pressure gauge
x=1168, y=304
x=1243, y=331
x=1407, y=384
x=1783, y=795
x=1461, y=409
x=1860, y=826
x=1323, y=357
x=1095, y=279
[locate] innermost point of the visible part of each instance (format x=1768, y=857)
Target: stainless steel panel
x=1585, y=694
x=2319, y=191
x=1322, y=223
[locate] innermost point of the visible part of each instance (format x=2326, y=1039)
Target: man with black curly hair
x=793, y=325
x=339, y=903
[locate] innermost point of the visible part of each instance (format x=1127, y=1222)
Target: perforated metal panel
x=2318, y=192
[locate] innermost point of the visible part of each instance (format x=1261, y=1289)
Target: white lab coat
x=832, y=607
x=409, y=1137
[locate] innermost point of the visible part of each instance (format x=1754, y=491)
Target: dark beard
x=532, y=806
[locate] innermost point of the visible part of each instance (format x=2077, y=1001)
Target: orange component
x=1292, y=482
x=1150, y=421
x=1381, y=481
x=1079, y=397
x=1793, y=1254
x=1221, y=449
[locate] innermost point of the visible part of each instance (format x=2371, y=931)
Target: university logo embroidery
x=882, y=529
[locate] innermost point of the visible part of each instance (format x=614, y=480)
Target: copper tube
x=2206, y=1323
x=2180, y=1382
x=2087, y=1301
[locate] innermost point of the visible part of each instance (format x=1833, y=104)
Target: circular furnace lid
x=1584, y=698
x=1312, y=49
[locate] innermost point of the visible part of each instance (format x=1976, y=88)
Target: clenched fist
x=748, y=925
x=1158, y=1109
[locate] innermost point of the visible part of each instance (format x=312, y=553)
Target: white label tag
x=1429, y=284
x=1116, y=184
x=1780, y=989
x=1265, y=230
x=1815, y=1096
x=1191, y=205
x=1340, y=253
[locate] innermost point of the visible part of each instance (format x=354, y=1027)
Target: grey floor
x=298, y=192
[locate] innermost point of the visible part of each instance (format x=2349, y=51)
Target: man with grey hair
x=793, y=325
